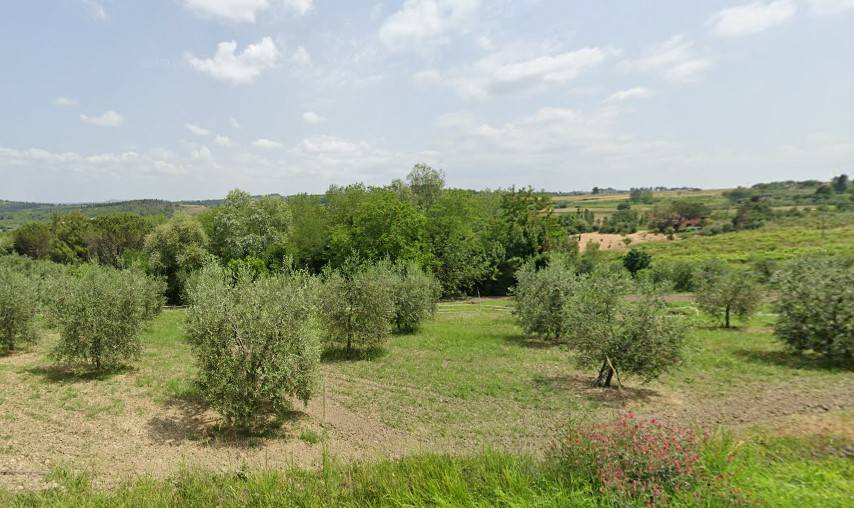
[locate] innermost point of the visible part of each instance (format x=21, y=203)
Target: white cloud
x=752, y=18
x=312, y=117
x=243, y=11
x=628, y=94
x=195, y=129
x=299, y=6
x=234, y=123
x=223, y=140
x=238, y=69
x=96, y=10
x=65, y=102
x=423, y=22
x=674, y=59
x=827, y=7
x=427, y=76
x=518, y=70
x=106, y=119
x=266, y=144
x=301, y=56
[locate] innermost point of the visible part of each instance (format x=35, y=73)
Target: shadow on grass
x=65, y=374
x=534, y=342
x=337, y=355
x=793, y=360
x=189, y=418
x=583, y=386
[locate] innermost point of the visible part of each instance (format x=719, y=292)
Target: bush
x=632, y=459
x=175, y=249
x=18, y=306
x=255, y=341
x=415, y=293
x=636, y=260
x=629, y=335
x=99, y=314
x=357, y=305
x=816, y=308
x=539, y=296
x=723, y=292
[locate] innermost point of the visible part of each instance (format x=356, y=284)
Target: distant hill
x=15, y=213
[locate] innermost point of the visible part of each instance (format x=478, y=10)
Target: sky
x=186, y=99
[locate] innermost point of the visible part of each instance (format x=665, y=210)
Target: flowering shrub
x=630, y=458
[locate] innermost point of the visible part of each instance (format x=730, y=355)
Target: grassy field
x=467, y=383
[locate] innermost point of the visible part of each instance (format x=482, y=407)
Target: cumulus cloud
x=312, y=117
x=223, y=140
x=238, y=68
x=423, y=22
x=65, y=102
x=105, y=119
x=266, y=144
x=752, y=18
x=518, y=70
x=675, y=60
x=243, y=11
x=195, y=129
x=629, y=94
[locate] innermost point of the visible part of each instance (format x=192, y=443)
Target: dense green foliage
x=357, y=304
x=18, y=306
x=816, y=308
x=414, y=296
x=724, y=292
x=99, y=314
x=255, y=341
x=636, y=260
x=175, y=249
x=540, y=296
x=634, y=336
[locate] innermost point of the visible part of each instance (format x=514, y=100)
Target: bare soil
x=608, y=241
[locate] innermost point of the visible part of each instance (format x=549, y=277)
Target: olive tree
x=724, y=292
x=539, y=297
x=99, y=314
x=415, y=293
x=18, y=307
x=816, y=308
x=631, y=335
x=175, y=249
x=357, y=305
x=255, y=340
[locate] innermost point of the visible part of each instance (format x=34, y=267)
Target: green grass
x=833, y=234
x=779, y=473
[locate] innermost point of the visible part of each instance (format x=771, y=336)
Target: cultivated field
x=469, y=381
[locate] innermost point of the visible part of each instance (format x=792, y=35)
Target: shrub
x=630, y=335
x=632, y=459
x=357, y=305
x=636, y=260
x=816, y=308
x=723, y=292
x=175, y=249
x=255, y=341
x=100, y=312
x=18, y=306
x=415, y=293
x=539, y=296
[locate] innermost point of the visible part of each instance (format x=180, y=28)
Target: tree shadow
x=534, y=342
x=794, y=360
x=583, y=385
x=190, y=419
x=338, y=355
x=65, y=374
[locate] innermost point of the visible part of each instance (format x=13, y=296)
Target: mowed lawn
x=467, y=381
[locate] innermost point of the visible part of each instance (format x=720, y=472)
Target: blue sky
x=185, y=99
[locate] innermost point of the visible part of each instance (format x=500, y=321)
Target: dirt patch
x=617, y=242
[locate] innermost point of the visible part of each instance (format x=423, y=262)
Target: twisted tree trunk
x=603, y=380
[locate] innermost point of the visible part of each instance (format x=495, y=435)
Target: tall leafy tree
x=243, y=226
x=426, y=185
x=32, y=240
x=176, y=249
